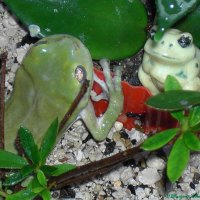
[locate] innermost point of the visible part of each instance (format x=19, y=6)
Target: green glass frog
x=48, y=81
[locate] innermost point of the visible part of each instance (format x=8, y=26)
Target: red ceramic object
x=135, y=108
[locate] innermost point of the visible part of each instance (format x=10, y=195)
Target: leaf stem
x=3, y=58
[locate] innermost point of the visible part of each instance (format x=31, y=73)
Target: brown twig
x=83, y=90
x=3, y=58
x=93, y=169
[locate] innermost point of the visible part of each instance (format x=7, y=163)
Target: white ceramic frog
x=46, y=84
x=176, y=55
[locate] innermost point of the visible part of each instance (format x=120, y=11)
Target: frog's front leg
x=100, y=127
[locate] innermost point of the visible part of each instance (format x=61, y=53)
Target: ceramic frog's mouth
x=158, y=56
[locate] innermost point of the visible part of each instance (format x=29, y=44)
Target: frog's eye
x=185, y=41
x=80, y=73
x=152, y=33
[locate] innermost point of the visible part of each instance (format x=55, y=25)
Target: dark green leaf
x=192, y=141
x=159, y=139
x=46, y=195
x=113, y=25
x=174, y=100
x=63, y=168
x=28, y=144
x=48, y=169
x=170, y=11
x=194, y=116
x=177, y=160
x=171, y=83
x=41, y=178
x=18, y=176
x=49, y=140
x=10, y=160
x=26, y=194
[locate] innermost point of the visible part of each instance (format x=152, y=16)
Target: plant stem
x=93, y=169
x=3, y=58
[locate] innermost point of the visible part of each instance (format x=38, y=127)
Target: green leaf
x=174, y=100
x=49, y=140
x=177, y=160
x=28, y=144
x=46, y=195
x=192, y=141
x=35, y=186
x=48, y=169
x=62, y=168
x=25, y=194
x=10, y=160
x=194, y=116
x=170, y=11
x=171, y=83
x=159, y=139
x=113, y=25
x=18, y=176
x=41, y=178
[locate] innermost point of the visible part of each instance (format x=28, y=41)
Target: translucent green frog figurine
x=46, y=84
x=176, y=55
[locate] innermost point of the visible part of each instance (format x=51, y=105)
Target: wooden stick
x=88, y=171
x=2, y=93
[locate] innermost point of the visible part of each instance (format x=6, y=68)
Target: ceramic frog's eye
x=80, y=73
x=185, y=41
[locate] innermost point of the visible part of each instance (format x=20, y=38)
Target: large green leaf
x=18, y=176
x=192, y=141
x=177, y=160
x=28, y=144
x=114, y=29
x=174, y=100
x=191, y=24
x=49, y=140
x=159, y=139
x=45, y=194
x=170, y=11
x=10, y=160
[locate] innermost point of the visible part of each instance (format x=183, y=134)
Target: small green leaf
x=177, y=160
x=46, y=195
x=18, y=176
x=174, y=100
x=10, y=160
x=178, y=115
x=192, y=141
x=28, y=144
x=41, y=178
x=160, y=139
x=26, y=194
x=194, y=116
x=48, y=169
x=171, y=83
x=35, y=186
x=63, y=168
x=49, y=140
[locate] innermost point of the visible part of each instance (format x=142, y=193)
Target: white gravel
x=141, y=179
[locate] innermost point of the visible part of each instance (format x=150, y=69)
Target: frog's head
x=174, y=47
x=58, y=65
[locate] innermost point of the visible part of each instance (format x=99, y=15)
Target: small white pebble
x=155, y=162
x=118, y=126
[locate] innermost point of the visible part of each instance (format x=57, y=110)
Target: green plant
x=32, y=165
x=183, y=106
